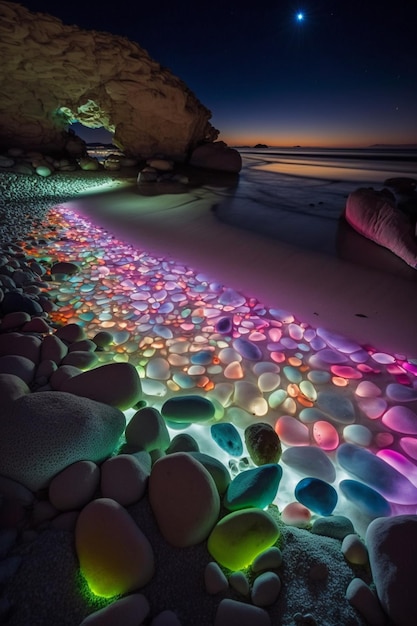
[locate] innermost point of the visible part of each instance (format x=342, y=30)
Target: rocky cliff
x=52, y=74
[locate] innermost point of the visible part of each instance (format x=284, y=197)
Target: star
x=300, y=17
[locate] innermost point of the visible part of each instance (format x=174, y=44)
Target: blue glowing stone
x=316, y=495
x=376, y=473
x=365, y=498
x=227, y=437
x=204, y=357
x=253, y=488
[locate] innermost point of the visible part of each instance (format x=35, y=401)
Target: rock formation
x=52, y=74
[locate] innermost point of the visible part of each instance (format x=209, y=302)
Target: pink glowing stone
x=292, y=432
x=384, y=439
x=409, y=445
x=345, y=371
x=367, y=389
x=400, y=463
x=373, y=407
x=401, y=419
x=325, y=435
x=296, y=514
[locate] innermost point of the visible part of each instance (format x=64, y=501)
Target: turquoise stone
x=316, y=495
x=253, y=488
x=365, y=498
x=227, y=437
x=188, y=409
x=202, y=358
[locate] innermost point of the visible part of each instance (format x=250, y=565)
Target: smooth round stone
x=227, y=437
x=129, y=611
x=292, y=374
x=337, y=407
x=329, y=357
x=115, y=556
x=165, y=618
x=367, y=389
x=205, y=357
x=188, y=409
x=18, y=366
x=103, y=339
x=158, y=368
x=318, y=377
x=373, y=407
x=53, y=349
x=277, y=398
x=239, y=582
x=233, y=612
x=269, y=559
x=214, y=579
x=262, y=443
x=336, y=526
x=233, y=371
x=253, y=488
x=325, y=435
x=409, y=445
x=75, y=486
x=311, y=461
x=400, y=463
x=247, y=349
x=316, y=495
x=296, y=514
x=337, y=341
x=401, y=393
x=153, y=388
x=183, y=443
x=123, y=479
x=16, y=319
x=377, y=474
x=357, y=434
x=311, y=415
x=184, y=499
x=215, y=468
x=228, y=355
x=365, y=601
x=265, y=589
x=292, y=432
x=248, y=396
x=265, y=367
x=239, y=417
x=82, y=360
x=15, y=301
x=308, y=390
x=224, y=325
x=401, y=419
x=70, y=333
x=116, y=384
x=354, y=550
x=268, y=381
x=239, y=537
x=229, y=297
x=183, y=380
x=147, y=430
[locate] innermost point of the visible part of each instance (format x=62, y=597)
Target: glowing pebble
x=188, y=409
x=316, y=495
x=268, y=381
x=409, y=445
x=153, y=388
x=262, y=443
x=308, y=390
x=377, y=474
x=365, y=498
x=240, y=536
x=183, y=380
x=233, y=371
x=292, y=432
x=401, y=393
x=295, y=331
x=203, y=357
x=345, y=371
x=247, y=349
x=400, y=463
x=231, y=298
x=158, y=368
x=318, y=377
x=373, y=407
x=293, y=374
x=247, y=396
x=311, y=415
x=277, y=398
x=367, y=389
x=338, y=408
x=357, y=434
x=330, y=357
x=255, y=487
x=184, y=499
x=115, y=556
x=311, y=461
x=325, y=435
x=338, y=341
x=227, y=437
x=401, y=419
x=296, y=514
x=381, y=357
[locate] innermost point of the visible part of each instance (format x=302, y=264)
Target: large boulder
x=42, y=433
x=52, y=74
x=217, y=156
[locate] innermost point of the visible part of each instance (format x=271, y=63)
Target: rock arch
x=51, y=73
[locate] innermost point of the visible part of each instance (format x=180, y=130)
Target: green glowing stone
x=240, y=536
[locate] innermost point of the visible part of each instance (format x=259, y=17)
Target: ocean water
x=298, y=195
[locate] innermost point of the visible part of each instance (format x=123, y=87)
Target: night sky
x=343, y=76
